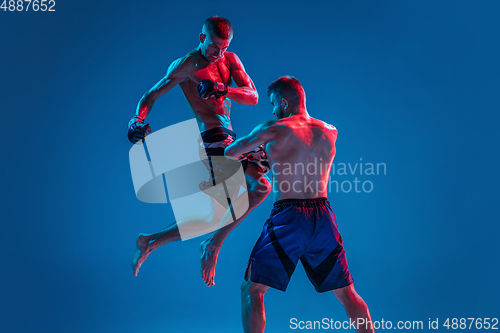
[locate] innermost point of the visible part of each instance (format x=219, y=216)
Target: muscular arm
x=176, y=73
x=262, y=134
x=245, y=93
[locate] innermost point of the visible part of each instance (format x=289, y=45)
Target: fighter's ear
x=202, y=37
x=284, y=103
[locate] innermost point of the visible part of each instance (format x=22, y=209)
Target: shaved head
x=218, y=26
x=289, y=88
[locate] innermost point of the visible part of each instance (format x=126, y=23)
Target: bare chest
x=218, y=72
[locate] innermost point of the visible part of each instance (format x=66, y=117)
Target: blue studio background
x=412, y=84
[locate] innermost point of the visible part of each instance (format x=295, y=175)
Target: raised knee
x=267, y=186
x=262, y=190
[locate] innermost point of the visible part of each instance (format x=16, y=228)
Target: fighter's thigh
x=258, y=185
x=217, y=209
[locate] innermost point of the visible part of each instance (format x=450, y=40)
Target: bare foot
x=141, y=252
x=209, y=253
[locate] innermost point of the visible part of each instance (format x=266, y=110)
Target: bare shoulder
x=328, y=130
x=268, y=125
x=283, y=125
x=182, y=67
x=231, y=56
x=324, y=125
x=270, y=129
x=329, y=127
x=234, y=61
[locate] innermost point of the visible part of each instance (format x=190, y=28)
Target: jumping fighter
x=205, y=75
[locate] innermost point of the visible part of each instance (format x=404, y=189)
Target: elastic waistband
x=216, y=134
x=301, y=202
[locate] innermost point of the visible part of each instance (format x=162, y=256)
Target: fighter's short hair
x=218, y=26
x=288, y=87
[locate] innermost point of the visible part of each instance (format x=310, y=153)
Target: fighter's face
x=213, y=47
x=278, y=105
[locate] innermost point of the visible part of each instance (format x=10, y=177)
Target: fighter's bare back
x=301, y=157
x=300, y=151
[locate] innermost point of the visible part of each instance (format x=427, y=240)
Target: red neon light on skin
x=143, y=111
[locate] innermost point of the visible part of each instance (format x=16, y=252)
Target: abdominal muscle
x=209, y=113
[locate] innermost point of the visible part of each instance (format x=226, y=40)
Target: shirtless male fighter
x=205, y=75
x=302, y=224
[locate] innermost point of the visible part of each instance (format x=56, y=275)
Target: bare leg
x=149, y=242
x=253, y=312
x=355, y=307
x=258, y=189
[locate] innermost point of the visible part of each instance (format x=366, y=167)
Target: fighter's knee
x=264, y=187
x=346, y=295
x=252, y=291
x=265, y=183
x=256, y=290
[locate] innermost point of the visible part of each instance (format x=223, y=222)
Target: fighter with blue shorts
x=302, y=225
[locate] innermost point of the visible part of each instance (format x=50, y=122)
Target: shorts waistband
x=216, y=134
x=301, y=202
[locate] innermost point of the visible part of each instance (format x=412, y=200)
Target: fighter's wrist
x=221, y=88
x=138, y=118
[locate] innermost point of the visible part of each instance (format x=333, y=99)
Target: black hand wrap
x=208, y=88
x=137, y=129
x=258, y=156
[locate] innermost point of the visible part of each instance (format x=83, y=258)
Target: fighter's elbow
x=254, y=99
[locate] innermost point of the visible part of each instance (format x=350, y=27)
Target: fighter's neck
x=300, y=111
x=200, y=52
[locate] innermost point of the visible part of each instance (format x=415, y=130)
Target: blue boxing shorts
x=304, y=229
